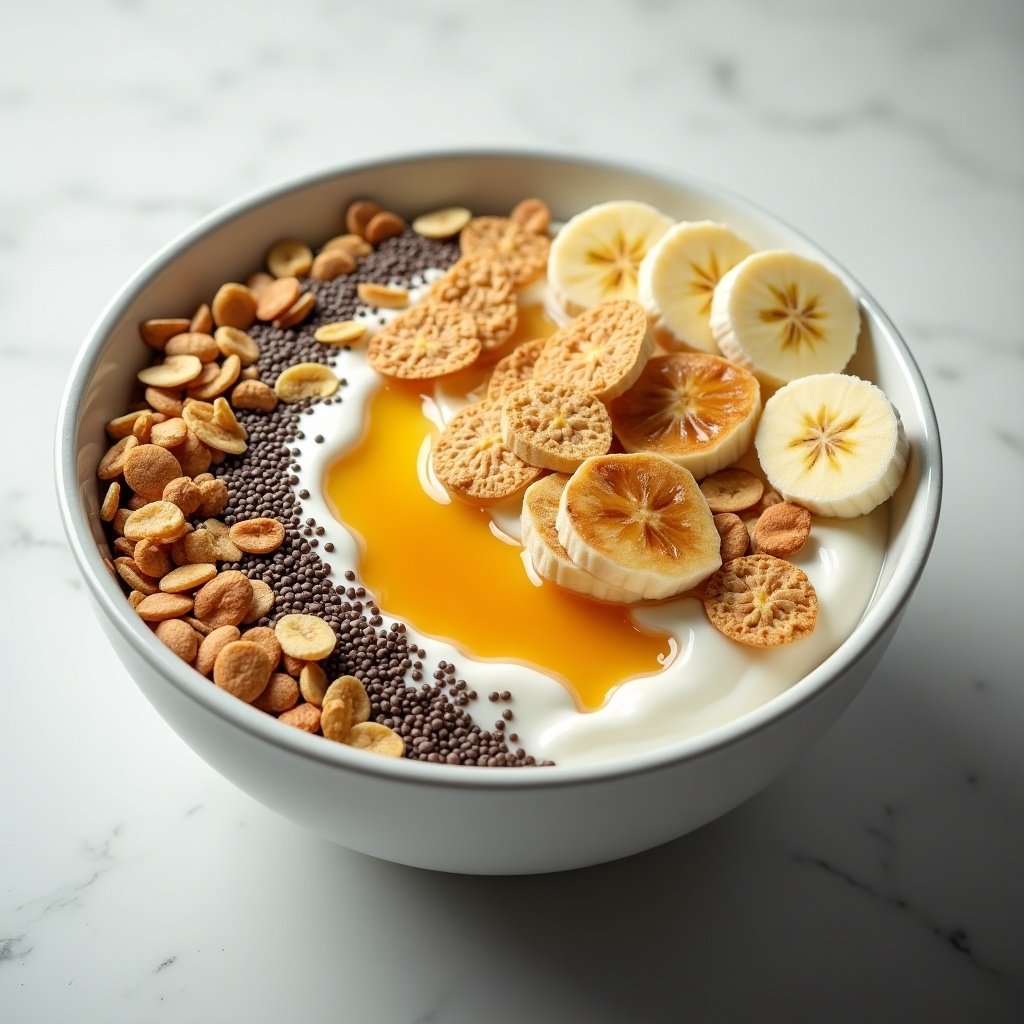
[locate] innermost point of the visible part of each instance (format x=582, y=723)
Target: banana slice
x=784, y=316
x=678, y=277
x=696, y=409
x=597, y=254
x=832, y=443
x=638, y=522
x=549, y=558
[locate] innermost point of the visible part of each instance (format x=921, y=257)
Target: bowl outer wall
x=725, y=761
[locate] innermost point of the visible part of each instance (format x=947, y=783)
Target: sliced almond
x=232, y=341
x=158, y=607
x=382, y=226
x=158, y=520
x=226, y=375
x=385, y=296
x=278, y=297
x=187, y=577
x=306, y=380
x=193, y=343
x=445, y=223
x=289, y=258
x=173, y=372
x=112, y=464
x=340, y=332
x=354, y=245
x=297, y=312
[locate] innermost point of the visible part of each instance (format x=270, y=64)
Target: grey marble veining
x=880, y=878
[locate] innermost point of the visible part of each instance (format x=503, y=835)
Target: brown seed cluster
x=202, y=510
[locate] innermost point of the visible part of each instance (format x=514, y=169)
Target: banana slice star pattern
x=696, y=409
x=549, y=558
x=832, y=443
x=638, y=522
x=596, y=255
x=678, y=277
x=784, y=316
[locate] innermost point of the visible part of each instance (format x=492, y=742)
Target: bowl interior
x=230, y=245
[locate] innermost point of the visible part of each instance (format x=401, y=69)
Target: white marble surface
x=880, y=878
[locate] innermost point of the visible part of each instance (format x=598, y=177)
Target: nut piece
x=180, y=637
x=164, y=400
x=242, y=668
x=305, y=717
x=173, y=372
x=444, y=223
x=223, y=377
x=111, y=500
x=532, y=215
x=376, y=739
x=202, y=320
x=152, y=558
x=313, y=683
x=356, y=246
x=213, y=497
x=306, y=380
x=159, y=520
x=148, y=469
x=254, y=394
x=225, y=600
x=170, y=433
x=234, y=306
x=262, y=601
x=734, y=535
x=358, y=216
x=193, y=343
x=264, y=637
x=336, y=720
x=782, y=529
x=280, y=694
x=129, y=570
x=289, y=258
x=213, y=643
x=187, y=577
x=278, y=297
x=349, y=690
x=340, y=332
x=235, y=342
x=305, y=636
x=157, y=607
x=731, y=490
x=382, y=226
x=112, y=464
x=122, y=426
x=156, y=333
x=184, y=493
x=332, y=263
x=257, y=536
x=385, y=296
x=297, y=311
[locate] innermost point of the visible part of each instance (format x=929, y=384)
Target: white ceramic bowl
x=477, y=820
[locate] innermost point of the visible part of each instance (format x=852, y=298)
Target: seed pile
x=282, y=557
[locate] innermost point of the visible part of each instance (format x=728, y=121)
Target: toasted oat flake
x=259, y=536
x=481, y=285
x=332, y=263
x=254, y=394
x=156, y=333
x=524, y=253
x=297, y=312
x=472, y=461
x=358, y=216
x=429, y=340
x=232, y=341
x=761, y=601
x=554, y=425
x=157, y=520
x=262, y=601
x=187, y=577
x=158, y=607
x=278, y=297
x=234, y=306
x=382, y=226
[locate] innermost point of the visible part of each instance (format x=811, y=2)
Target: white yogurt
x=709, y=680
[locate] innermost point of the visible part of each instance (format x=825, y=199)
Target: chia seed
x=432, y=717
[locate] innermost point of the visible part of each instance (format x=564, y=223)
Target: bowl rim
x=884, y=609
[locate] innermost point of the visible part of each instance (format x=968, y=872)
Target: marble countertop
x=880, y=878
